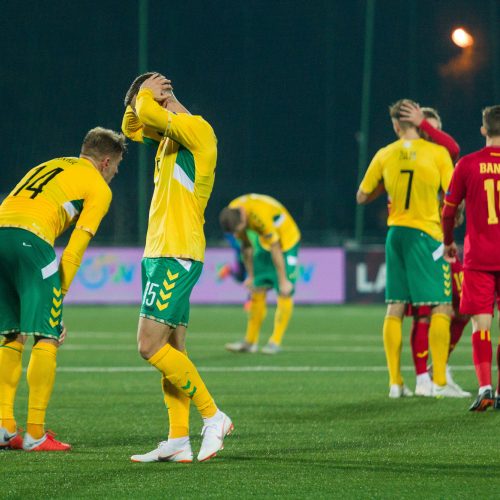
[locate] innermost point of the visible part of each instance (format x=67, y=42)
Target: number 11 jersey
x=476, y=180
x=413, y=173
x=56, y=194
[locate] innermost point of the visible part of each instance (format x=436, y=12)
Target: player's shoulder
x=93, y=181
x=471, y=159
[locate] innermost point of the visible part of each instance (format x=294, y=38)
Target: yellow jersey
x=56, y=194
x=414, y=172
x=183, y=178
x=269, y=219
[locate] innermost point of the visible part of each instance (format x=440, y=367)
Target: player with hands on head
x=429, y=124
x=173, y=259
x=48, y=200
x=413, y=172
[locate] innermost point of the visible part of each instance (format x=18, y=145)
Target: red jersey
x=477, y=180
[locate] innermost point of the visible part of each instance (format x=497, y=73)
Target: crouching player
x=48, y=199
x=476, y=180
x=270, y=239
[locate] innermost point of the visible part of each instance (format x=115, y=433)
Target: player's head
x=399, y=125
x=432, y=116
x=232, y=220
x=105, y=149
x=491, y=122
x=134, y=88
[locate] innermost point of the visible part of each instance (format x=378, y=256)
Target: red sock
x=456, y=329
x=481, y=355
x=420, y=345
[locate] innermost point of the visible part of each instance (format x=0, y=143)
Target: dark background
x=279, y=80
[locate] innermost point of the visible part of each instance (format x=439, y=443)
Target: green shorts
x=30, y=287
x=416, y=270
x=166, y=287
x=263, y=267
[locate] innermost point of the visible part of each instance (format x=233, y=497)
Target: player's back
x=480, y=173
x=264, y=211
x=414, y=172
x=51, y=196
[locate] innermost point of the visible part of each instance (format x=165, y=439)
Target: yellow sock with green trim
x=393, y=339
x=41, y=377
x=178, y=405
x=256, y=316
x=178, y=369
x=11, y=354
x=439, y=345
x=284, y=309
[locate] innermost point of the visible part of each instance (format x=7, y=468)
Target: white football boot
x=173, y=450
x=424, y=385
x=446, y=391
x=214, y=431
x=242, y=346
x=271, y=348
x=452, y=383
x=399, y=391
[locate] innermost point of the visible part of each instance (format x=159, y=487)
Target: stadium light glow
x=462, y=38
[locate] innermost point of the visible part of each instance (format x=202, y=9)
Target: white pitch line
x=294, y=349
x=243, y=369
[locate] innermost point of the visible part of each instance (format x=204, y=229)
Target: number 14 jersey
x=413, y=173
x=476, y=180
x=56, y=194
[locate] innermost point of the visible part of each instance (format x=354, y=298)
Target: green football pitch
x=312, y=422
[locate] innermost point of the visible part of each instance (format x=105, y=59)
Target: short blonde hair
x=99, y=142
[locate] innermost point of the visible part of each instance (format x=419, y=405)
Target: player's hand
x=160, y=86
x=286, y=288
x=249, y=283
x=63, y=335
x=410, y=113
x=450, y=253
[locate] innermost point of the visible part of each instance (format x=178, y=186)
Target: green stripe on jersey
x=185, y=160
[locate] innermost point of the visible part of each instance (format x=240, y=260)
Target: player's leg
x=284, y=306
x=11, y=351
x=41, y=315
x=419, y=339
x=257, y=310
x=397, y=296
x=11, y=347
x=477, y=300
x=429, y=278
x=167, y=290
x=178, y=446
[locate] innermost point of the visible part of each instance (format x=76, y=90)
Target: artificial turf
x=312, y=422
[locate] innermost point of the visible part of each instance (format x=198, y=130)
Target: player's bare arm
x=285, y=286
x=247, y=252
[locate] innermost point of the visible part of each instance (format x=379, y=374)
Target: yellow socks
x=393, y=335
x=10, y=372
x=284, y=309
x=256, y=316
x=177, y=404
x=178, y=369
x=439, y=344
x=41, y=377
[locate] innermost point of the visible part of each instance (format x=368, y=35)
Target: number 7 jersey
x=476, y=180
x=413, y=172
x=56, y=194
